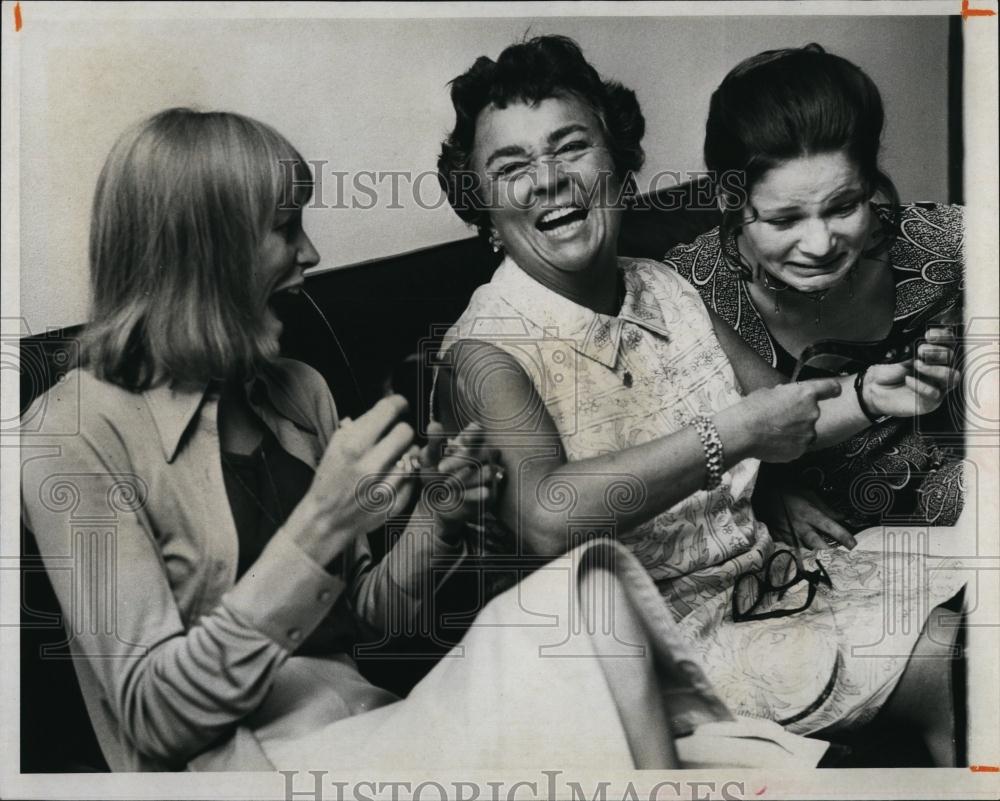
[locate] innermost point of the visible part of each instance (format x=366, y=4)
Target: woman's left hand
x=808, y=521
x=917, y=386
x=461, y=475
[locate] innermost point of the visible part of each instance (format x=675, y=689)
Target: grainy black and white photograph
x=500, y=402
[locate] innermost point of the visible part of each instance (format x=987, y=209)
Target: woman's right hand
x=358, y=483
x=777, y=424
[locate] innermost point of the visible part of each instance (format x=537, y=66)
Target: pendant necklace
x=815, y=297
x=775, y=289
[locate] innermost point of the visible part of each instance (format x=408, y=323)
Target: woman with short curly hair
x=626, y=409
x=530, y=73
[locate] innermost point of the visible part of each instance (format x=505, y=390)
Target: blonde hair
x=181, y=207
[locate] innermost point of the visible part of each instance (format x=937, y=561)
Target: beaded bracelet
x=712, y=445
x=859, y=386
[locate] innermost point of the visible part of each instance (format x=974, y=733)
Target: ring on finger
x=409, y=463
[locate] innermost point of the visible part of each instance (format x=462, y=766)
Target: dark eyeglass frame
x=897, y=347
x=765, y=588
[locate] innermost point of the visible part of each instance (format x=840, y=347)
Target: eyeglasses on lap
x=768, y=586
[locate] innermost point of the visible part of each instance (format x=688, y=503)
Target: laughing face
x=285, y=252
x=551, y=187
x=813, y=221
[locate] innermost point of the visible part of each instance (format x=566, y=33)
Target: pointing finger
x=823, y=388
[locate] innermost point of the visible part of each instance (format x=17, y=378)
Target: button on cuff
x=286, y=591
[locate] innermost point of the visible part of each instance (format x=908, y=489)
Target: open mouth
x=823, y=265
x=287, y=291
x=283, y=300
x=562, y=221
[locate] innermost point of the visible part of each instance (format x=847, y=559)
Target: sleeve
x=308, y=384
x=383, y=594
x=680, y=259
x=166, y=686
x=388, y=593
x=937, y=231
x=955, y=226
x=928, y=258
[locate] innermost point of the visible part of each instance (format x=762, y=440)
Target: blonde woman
x=239, y=495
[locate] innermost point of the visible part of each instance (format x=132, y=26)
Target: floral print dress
x=610, y=383
x=900, y=471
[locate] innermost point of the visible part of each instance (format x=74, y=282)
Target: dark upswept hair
x=782, y=104
x=182, y=205
x=529, y=72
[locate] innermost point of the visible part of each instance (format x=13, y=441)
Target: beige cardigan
x=125, y=495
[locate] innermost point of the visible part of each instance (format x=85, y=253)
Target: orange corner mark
x=976, y=12
x=17, y=16
x=985, y=768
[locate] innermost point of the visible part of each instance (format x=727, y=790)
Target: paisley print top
x=901, y=471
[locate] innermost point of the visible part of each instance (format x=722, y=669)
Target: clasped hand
x=372, y=469
x=781, y=421
x=916, y=386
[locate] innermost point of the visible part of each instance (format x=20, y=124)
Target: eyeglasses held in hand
x=847, y=357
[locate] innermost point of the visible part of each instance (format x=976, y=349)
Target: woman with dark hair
x=621, y=406
x=527, y=74
x=805, y=253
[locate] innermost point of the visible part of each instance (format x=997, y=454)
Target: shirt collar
x=594, y=335
x=174, y=406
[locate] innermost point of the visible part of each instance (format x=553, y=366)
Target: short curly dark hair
x=529, y=72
